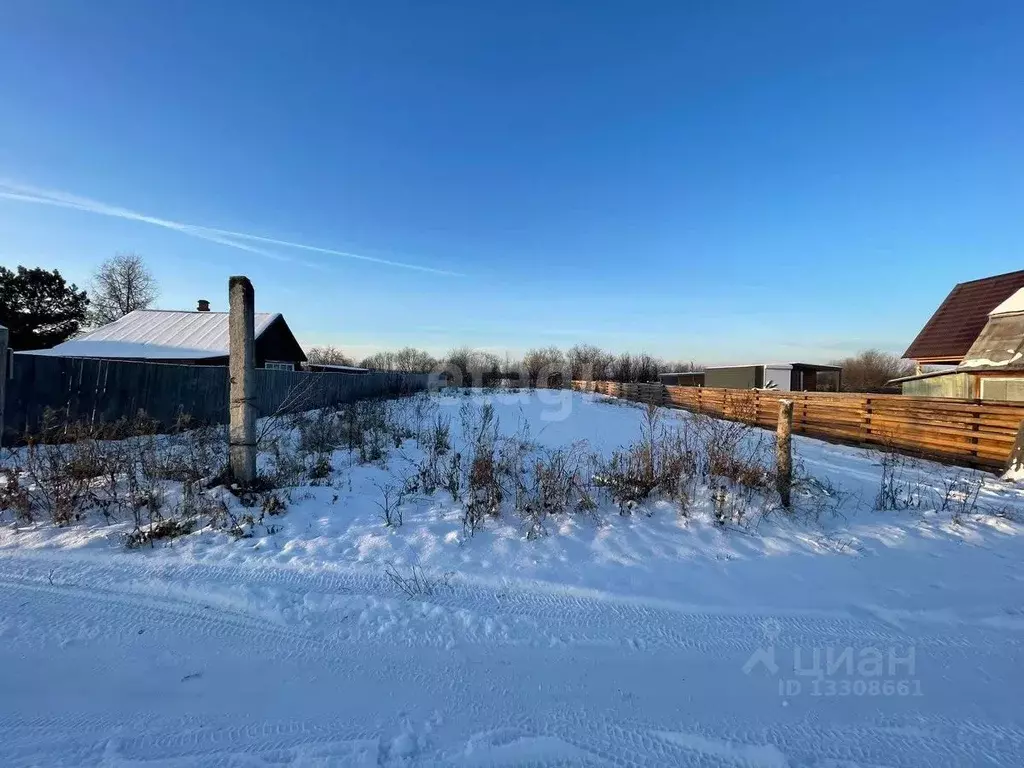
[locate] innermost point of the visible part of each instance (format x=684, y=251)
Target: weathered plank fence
x=103, y=391
x=970, y=432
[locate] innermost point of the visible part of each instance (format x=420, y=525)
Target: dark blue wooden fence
x=103, y=391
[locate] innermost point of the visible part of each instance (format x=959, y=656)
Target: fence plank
x=972, y=432
x=103, y=391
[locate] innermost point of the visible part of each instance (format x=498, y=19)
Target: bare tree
x=681, y=366
x=542, y=366
x=474, y=367
x=412, y=360
x=868, y=371
x=120, y=285
x=379, y=361
x=406, y=360
x=623, y=368
x=646, y=368
x=328, y=355
x=588, y=362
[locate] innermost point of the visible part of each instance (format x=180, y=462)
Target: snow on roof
x=157, y=334
x=999, y=346
x=1013, y=304
x=345, y=368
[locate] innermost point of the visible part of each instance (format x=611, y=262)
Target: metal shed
x=786, y=377
x=682, y=379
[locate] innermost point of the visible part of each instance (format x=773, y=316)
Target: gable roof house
x=949, y=333
x=185, y=338
x=980, y=329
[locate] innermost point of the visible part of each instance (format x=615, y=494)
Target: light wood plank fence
x=969, y=432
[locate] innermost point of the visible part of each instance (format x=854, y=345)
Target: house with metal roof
x=948, y=335
x=991, y=367
x=185, y=338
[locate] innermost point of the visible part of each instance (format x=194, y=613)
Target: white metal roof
x=158, y=334
x=344, y=368
x=1013, y=304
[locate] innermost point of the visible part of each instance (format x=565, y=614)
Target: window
x=277, y=365
x=1002, y=389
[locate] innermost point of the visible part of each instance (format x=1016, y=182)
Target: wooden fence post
x=242, y=369
x=784, y=450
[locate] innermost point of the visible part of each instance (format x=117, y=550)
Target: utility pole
x=242, y=370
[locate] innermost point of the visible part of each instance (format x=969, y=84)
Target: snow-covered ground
x=840, y=635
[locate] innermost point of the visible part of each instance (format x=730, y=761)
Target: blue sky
x=718, y=181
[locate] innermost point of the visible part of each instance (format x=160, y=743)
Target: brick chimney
x=204, y=306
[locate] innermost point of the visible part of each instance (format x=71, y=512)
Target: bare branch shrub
x=452, y=478
x=415, y=582
x=159, y=530
x=960, y=496
x=664, y=460
x=554, y=483
x=390, y=504
x=483, y=490
x=483, y=487
x=437, y=441
x=898, y=488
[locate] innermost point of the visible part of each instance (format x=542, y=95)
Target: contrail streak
x=132, y=216
x=24, y=193
x=332, y=251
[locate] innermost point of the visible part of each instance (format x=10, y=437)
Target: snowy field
x=878, y=623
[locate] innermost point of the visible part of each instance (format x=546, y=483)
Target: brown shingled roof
x=960, y=318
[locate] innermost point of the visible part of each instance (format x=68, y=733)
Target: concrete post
x=3, y=377
x=242, y=369
x=784, y=450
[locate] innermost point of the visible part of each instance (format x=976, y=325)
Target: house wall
x=951, y=385
x=695, y=379
x=782, y=377
x=277, y=343
x=735, y=377
x=1005, y=388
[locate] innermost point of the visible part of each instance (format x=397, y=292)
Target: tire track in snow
x=910, y=741
x=310, y=616
x=71, y=613
x=110, y=599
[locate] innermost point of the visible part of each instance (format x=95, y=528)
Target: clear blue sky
x=718, y=181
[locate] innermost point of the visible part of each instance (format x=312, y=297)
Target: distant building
x=185, y=338
x=329, y=368
x=682, y=379
x=785, y=377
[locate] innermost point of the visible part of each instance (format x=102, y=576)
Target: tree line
x=867, y=371
x=582, y=361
